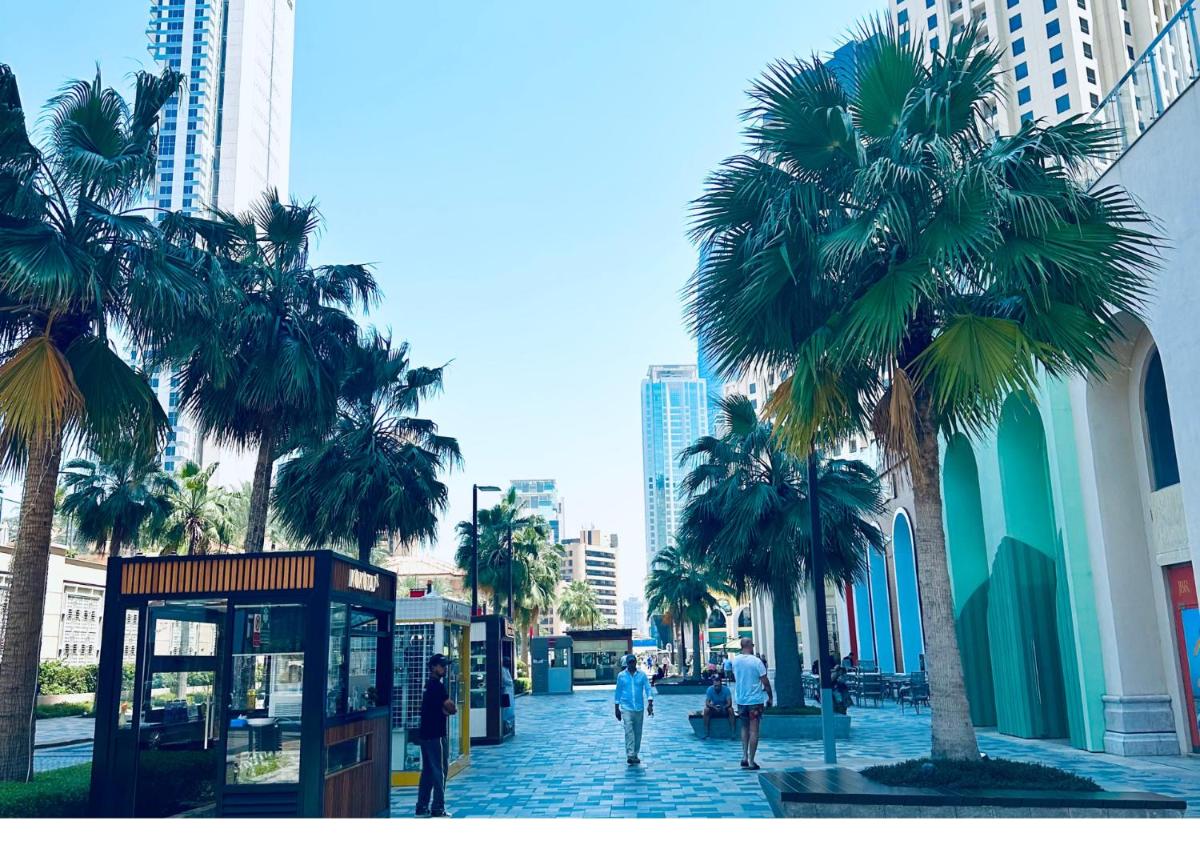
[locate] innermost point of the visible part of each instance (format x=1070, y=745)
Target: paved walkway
x=568, y=760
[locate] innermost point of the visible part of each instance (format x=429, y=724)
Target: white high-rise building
x=1059, y=57
x=674, y=415
x=541, y=496
x=223, y=140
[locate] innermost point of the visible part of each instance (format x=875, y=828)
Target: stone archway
x=969, y=578
x=1137, y=521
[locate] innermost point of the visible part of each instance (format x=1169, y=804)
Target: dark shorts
x=719, y=710
x=748, y=713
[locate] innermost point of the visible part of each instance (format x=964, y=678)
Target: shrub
x=986, y=773
x=56, y=793
x=797, y=710
x=64, y=709
x=55, y=678
x=522, y=685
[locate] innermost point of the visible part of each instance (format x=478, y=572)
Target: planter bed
x=674, y=689
x=777, y=726
x=840, y=792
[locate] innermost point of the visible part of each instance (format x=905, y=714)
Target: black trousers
x=435, y=762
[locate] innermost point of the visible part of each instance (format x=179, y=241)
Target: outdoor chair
x=915, y=694
x=870, y=689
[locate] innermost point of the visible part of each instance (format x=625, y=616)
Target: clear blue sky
x=520, y=173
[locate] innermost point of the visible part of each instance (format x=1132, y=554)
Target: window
x=1052, y=29
x=1012, y=3
x=1129, y=51
x=1063, y=103
x=1087, y=50
x=1014, y=23
x=933, y=43
x=1049, y=5
x=1091, y=75
x=1083, y=24
x=1095, y=98
x=902, y=17
x=1164, y=465
x=1082, y=3
x=1056, y=53
x=1085, y=29
x=1021, y=71
x=1023, y=95
x=904, y=38
x=1018, y=46
x=1059, y=78
x=354, y=682
x=929, y=4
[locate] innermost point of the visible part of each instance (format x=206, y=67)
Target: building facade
x=674, y=415
x=594, y=558
x=1059, y=57
x=633, y=614
x=223, y=140
x=541, y=496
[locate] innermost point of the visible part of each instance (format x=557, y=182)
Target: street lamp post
x=475, y=490
x=818, y=588
x=510, y=572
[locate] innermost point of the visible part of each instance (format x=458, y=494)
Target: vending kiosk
x=550, y=658
x=426, y=626
x=244, y=685
x=493, y=672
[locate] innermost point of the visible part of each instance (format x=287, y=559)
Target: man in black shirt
x=436, y=706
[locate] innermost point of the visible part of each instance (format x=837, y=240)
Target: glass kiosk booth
x=493, y=671
x=425, y=626
x=244, y=685
x=550, y=658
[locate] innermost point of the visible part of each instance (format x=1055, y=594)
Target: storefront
x=244, y=685
x=598, y=655
x=426, y=626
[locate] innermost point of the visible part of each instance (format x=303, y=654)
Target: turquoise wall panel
x=882, y=607
x=862, y=620
x=1023, y=637
x=908, y=600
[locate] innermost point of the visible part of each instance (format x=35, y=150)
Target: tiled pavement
x=567, y=760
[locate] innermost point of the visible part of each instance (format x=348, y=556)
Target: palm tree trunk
x=260, y=494
x=114, y=544
x=695, y=649
x=26, y=601
x=682, y=645
x=789, y=675
x=366, y=541
x=953, y=735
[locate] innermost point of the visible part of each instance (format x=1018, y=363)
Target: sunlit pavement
x=568, y=760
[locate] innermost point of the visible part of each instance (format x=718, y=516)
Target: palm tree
x=749, y=516
x=200, y=515
x=271, y=370
x=116, y=497
x=377, y=471
x=684, y=590
x=535, y=557
x=77, y=257
x=911, y=271
x=578, y=606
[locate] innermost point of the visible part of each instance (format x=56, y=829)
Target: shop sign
x=367, y=582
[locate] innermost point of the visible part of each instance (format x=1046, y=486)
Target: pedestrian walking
x=632, y=702
x=436, y=707
x=752, y=692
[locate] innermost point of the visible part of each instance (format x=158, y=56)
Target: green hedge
x=55, y=678
x=64, y=709
x=57, y=793
x=522, y=685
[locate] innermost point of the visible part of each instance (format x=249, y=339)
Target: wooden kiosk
x=244, y=685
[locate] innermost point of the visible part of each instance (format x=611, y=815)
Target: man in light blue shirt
x=632, y=701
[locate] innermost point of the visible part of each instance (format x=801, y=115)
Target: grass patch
x=56, y=793
x=984, y=774
x=64, y=709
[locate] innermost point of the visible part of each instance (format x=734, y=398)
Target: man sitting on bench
x=718, y=702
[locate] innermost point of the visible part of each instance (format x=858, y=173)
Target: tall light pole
x=475, y=490
x=818, y=589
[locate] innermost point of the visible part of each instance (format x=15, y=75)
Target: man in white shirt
x=632, y=701
x=752, y=692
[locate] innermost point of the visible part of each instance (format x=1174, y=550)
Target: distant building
x=674, y=415
x=414, y=571
x=593, y=558
x=541, y=496
x=223, y=146
x=634, y=614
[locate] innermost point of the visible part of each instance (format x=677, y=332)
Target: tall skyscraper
x=674, y=415
x=223, y=140
x=541, y=496
x=1059, y=57
x=634, y=614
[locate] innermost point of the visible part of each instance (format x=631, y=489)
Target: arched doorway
x=967, y=549
x=881, y=610
x=1141, y=554
x=908, y=599
x=1024, y=614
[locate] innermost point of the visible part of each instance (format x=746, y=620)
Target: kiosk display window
x=265, y=694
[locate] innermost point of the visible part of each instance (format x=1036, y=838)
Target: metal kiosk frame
x=257, y=725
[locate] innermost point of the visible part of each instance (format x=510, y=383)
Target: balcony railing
x=1156, y=80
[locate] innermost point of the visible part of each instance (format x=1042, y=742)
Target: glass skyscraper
x=540, y=495
x=674, y=415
